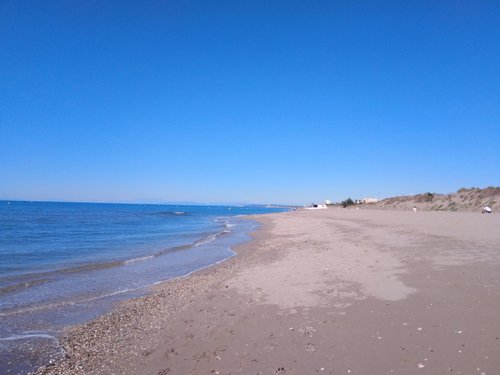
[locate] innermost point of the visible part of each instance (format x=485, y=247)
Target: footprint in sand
x=308, y=331
x=310, y=347
x=170, y=352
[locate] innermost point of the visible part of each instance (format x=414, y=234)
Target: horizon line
x=156, y=203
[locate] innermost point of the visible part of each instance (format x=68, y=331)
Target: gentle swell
x=30, y=280
x=15, y=310
x=169, y=213
x=211, y=238
x=140, y=259
x=38, y=278
x=20, y=286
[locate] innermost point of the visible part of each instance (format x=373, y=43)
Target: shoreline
x=169, y=296
x=30, y=334
x=26, y=280
x=310, y=292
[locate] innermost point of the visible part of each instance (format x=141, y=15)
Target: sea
x=66, y=263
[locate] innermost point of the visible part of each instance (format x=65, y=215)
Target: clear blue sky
x=247, y=101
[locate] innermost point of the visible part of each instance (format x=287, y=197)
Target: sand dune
x=472, y=200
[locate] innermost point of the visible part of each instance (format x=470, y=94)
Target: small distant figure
x=414, y=208
x=486, y=210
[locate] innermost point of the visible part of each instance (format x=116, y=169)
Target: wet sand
x=334, y=291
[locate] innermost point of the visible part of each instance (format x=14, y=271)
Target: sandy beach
x=334, y=291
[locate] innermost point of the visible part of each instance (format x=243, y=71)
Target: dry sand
x=333, y=291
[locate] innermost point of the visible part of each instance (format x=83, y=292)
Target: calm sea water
x=65, y=263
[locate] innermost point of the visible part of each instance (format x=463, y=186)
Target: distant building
x=315, y=206
x=369, y=200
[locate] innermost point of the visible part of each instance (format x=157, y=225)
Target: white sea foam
x=206, y=240
x=110, y=294
x=28, y=335
x=211, y=238
x=140, y=259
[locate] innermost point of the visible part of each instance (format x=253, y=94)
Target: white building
x=369, y=200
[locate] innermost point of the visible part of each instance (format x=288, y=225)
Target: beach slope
x=332, y=291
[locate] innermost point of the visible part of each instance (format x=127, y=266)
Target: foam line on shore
x=25, y=336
